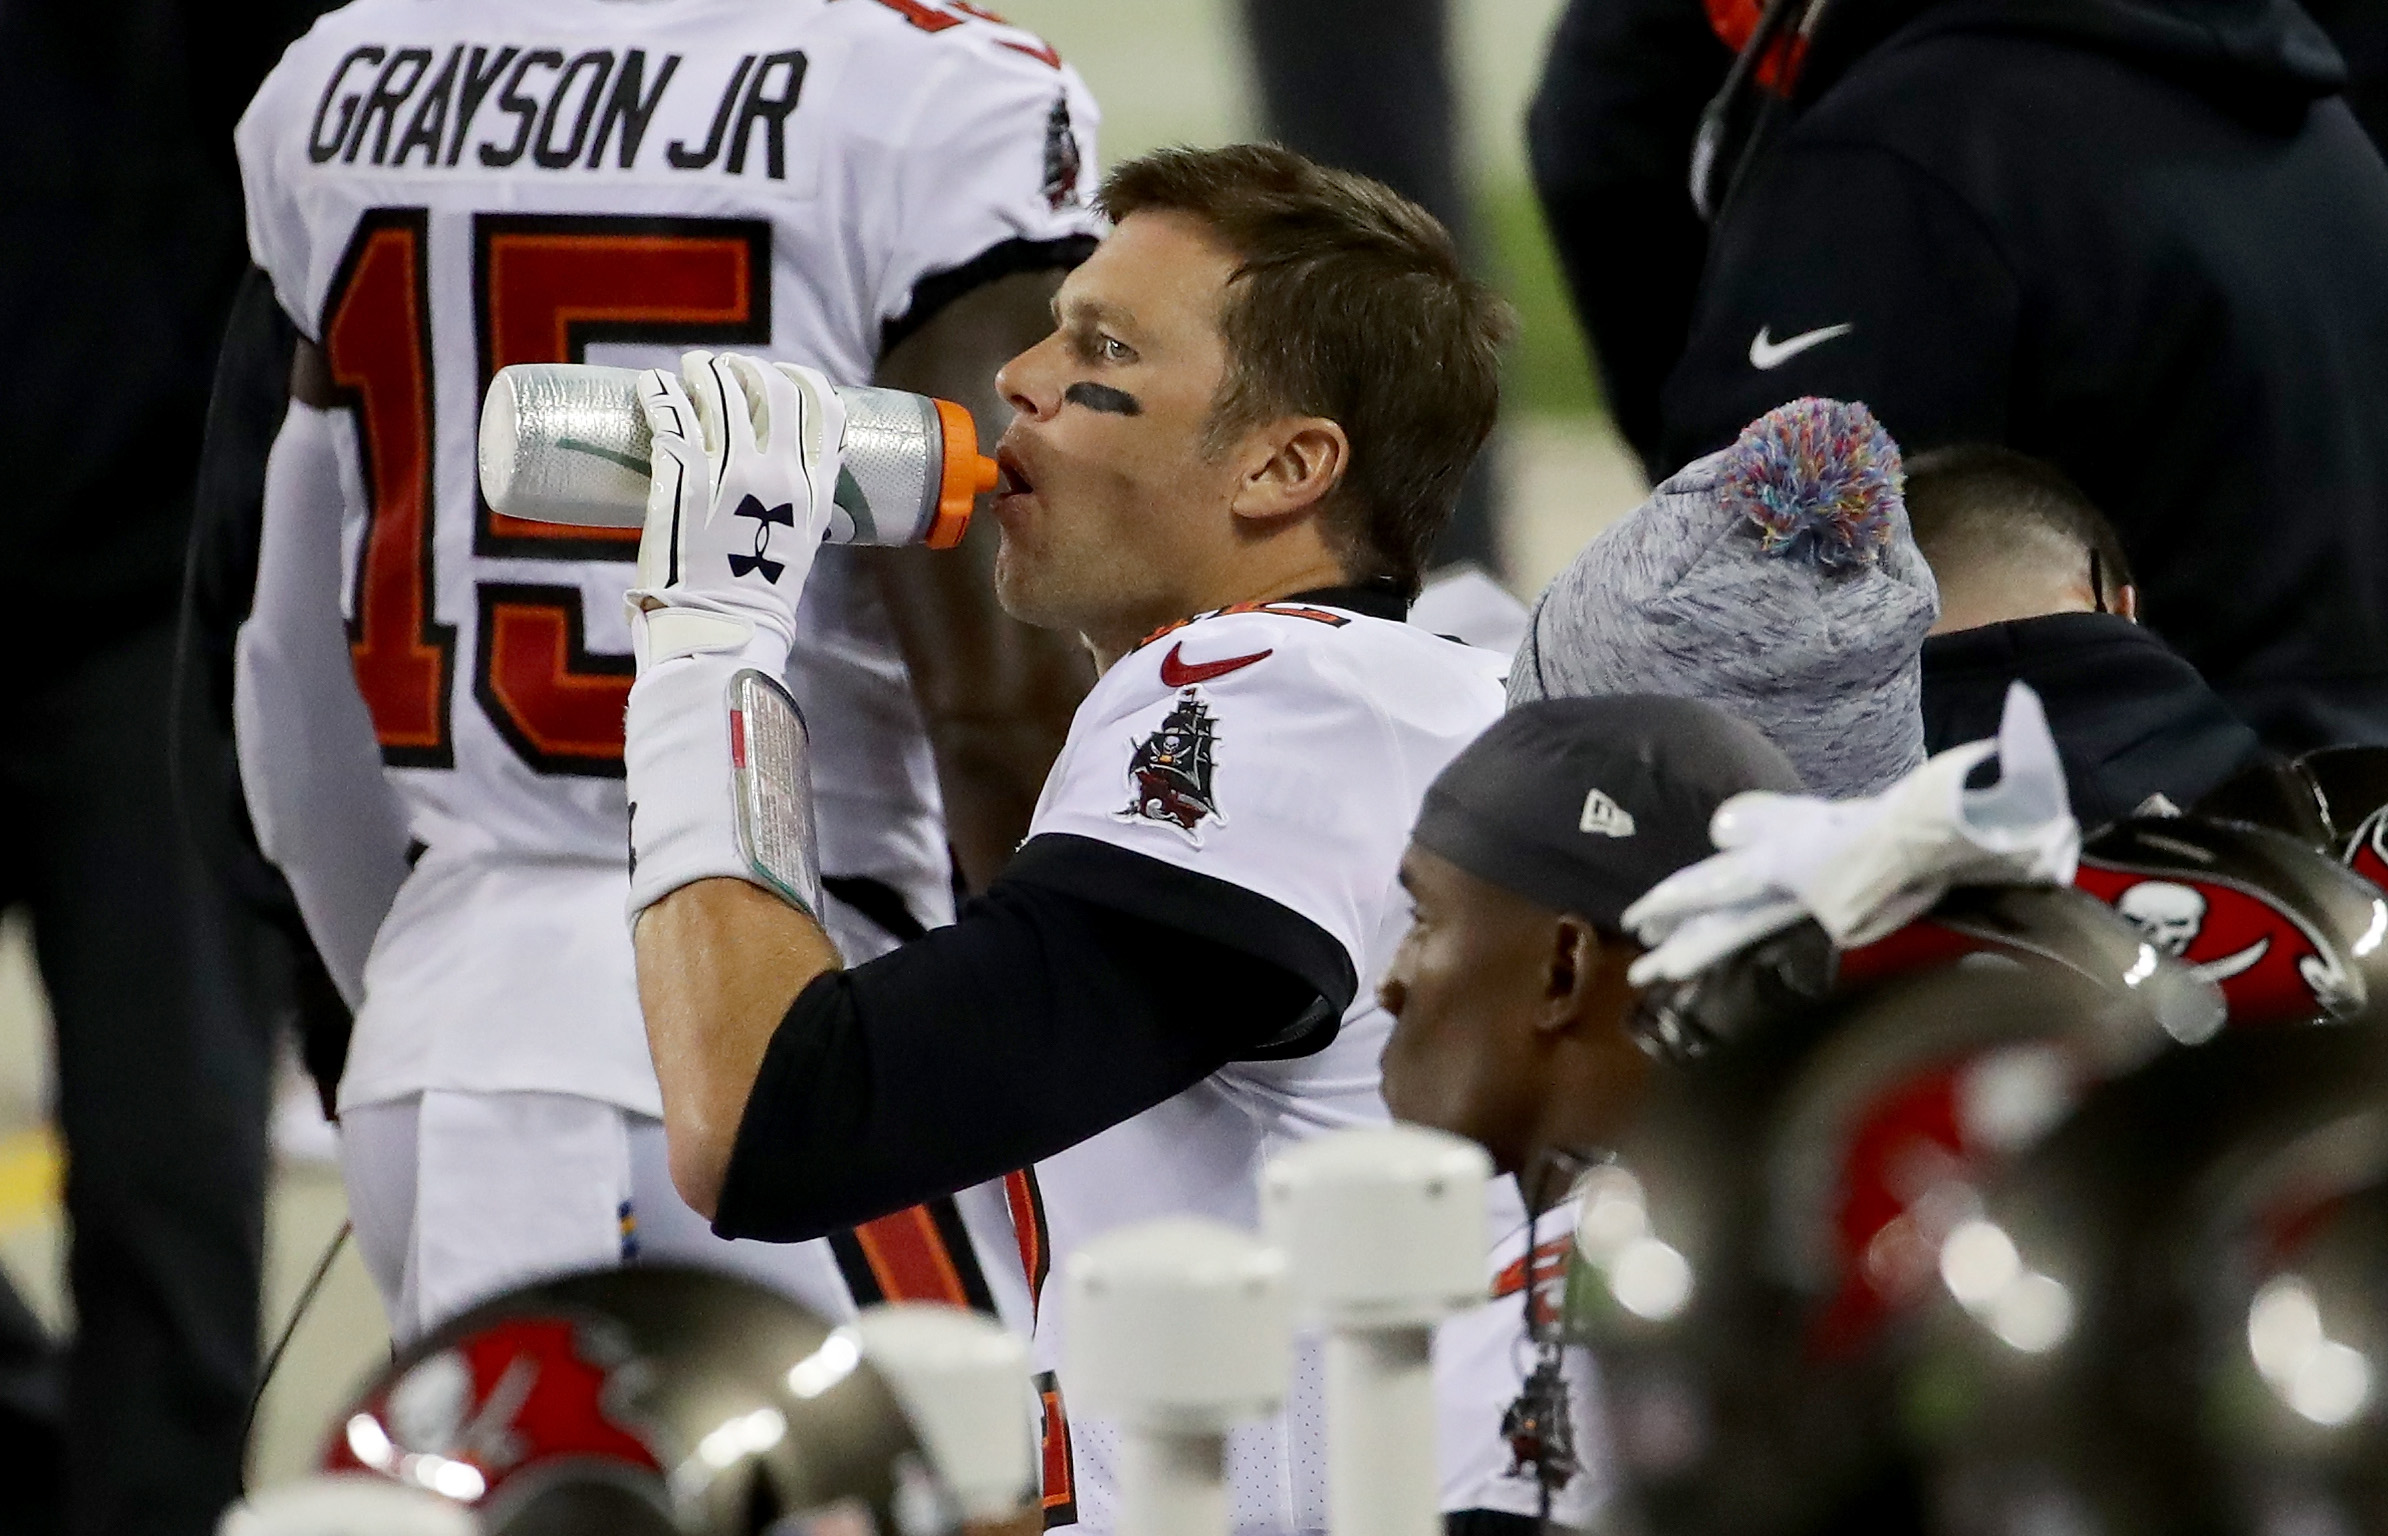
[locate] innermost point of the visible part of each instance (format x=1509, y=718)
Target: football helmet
x=2334, y=799
x=2290, y=1245
x=1745, y=1264
x=2272, y=792
x=2352, y=785
x=2287, y=933
x=1798, y=970
x=656, y=1401
x=2210, y=1224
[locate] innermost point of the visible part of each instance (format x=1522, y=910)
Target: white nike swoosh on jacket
x=1766, y=352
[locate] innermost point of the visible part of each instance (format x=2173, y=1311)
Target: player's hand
x=745, y=465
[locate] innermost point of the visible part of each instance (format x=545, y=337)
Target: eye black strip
x=1102, y=397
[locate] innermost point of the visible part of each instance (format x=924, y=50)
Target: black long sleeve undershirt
x=1086, y=986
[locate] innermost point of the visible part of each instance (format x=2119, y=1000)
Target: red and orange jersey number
x=543, y=289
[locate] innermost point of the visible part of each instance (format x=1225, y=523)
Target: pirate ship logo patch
x=1063, y=163
x=1169, y=774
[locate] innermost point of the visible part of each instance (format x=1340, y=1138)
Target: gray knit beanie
x=1776, y=580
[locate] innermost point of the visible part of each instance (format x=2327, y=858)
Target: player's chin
x=1409, y=1083
x=1427, y=1079
x=1024, y=583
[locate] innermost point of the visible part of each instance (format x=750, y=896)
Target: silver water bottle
x=567, y=443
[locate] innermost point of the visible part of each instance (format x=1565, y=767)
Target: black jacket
x=120, y=247
x=1609, y=136
x=1610, y=140
x=2130, y=717
x=2144, y=239
x=2360, y=29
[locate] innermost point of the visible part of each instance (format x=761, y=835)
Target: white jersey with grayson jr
x=439, y=188
x=1283, y=748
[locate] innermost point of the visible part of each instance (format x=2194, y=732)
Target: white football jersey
x=439, y=188
x=1481, y=1357
x=1285, y=749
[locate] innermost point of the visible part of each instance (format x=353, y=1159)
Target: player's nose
x=1031, y=383
x=1393, y=990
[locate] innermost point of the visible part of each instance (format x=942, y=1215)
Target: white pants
x=457, y=1197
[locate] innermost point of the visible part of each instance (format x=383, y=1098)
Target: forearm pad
x=720, y=781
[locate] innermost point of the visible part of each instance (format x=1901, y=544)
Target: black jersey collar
x=1379, y=598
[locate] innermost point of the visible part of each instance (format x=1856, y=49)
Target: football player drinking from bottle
x=1226, y=462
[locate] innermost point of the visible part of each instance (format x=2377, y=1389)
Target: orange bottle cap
x=966, y=475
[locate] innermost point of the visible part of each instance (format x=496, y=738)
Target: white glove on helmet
x=1865, y=867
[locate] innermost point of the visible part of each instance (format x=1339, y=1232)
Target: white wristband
x=718, y=782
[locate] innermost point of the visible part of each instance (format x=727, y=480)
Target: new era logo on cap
x=1605, y=816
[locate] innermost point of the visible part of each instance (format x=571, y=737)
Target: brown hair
x=1350, y=302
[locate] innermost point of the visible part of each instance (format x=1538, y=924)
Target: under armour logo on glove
x=765, y=517
x=732, y=531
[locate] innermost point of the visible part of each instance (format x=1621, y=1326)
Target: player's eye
x=1113, y=350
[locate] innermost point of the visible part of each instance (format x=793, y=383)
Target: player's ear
x=1599, y=994
x=1571, y=972
x=2126, y=601
x=1291, y=465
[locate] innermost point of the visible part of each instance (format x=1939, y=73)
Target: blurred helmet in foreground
x=1747, y=1264
x=2289, y=1240
x=2202, y=1218
x=670, y=1402
x=354, y=1505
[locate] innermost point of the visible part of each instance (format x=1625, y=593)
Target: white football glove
x=745, y=465
x=1865, y=867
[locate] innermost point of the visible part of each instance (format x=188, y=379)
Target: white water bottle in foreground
x=1383, y=1229
x=1180, y=1329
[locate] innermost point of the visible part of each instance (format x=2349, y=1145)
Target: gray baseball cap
x=1582, y=805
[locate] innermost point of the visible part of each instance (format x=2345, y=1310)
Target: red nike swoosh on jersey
x=1179, y=674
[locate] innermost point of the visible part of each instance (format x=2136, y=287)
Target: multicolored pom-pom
x=1820, y=478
